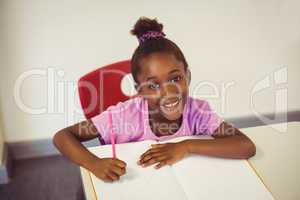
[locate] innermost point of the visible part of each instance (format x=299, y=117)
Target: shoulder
x=195, y=105
x=126, y=118
x=201, y=117
x=128, y=110
x=197, y=110
x=131, y=105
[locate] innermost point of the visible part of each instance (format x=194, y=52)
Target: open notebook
x=193, y=178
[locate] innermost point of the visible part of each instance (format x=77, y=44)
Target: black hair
x=152, y=45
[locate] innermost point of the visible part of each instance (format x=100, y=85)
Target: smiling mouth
x=170, y=106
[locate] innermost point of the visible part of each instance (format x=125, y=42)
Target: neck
x=163, y=126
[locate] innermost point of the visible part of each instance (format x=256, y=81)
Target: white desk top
x=277, y=159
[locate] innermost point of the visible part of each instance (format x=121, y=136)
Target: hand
x=163, y=154
x=108, y=169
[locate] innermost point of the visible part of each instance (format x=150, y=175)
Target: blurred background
x=244, y=57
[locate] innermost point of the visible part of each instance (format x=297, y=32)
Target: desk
x=88, y=188
x=277, y=161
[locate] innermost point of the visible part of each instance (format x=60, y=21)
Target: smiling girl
x=162, y=110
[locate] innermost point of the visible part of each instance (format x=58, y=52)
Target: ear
x=189, y=75
x=136, y=87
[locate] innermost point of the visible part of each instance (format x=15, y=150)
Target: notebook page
x=138, y=183
x=179, y=139
x=214, y=178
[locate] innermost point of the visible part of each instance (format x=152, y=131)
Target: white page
x=138, y=183
x=179, y=139
x=194, y=177
x=204, y=177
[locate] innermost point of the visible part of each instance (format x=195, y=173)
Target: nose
x=169, y=90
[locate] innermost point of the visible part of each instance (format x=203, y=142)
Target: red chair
x=101, y=88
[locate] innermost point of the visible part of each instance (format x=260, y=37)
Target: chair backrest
x=101, y=88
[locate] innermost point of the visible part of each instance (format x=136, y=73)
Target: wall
x=232, y=44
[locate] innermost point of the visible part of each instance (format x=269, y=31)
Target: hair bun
x=145, y=24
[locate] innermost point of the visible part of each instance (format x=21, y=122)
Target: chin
x=173, y=114
x=172, y=117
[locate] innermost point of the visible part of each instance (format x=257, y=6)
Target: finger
x=118, y=170
x=161, y=164
x=158, y=145
x=154, y=160
x=119, y=163
x=149, y=156
x=113, y=176
x=107, y=179
x=151, y=150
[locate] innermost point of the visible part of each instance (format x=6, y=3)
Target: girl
x=162, y=110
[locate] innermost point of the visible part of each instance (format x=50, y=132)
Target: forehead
x=159, y=65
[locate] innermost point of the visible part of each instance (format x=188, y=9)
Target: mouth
x=171, y=105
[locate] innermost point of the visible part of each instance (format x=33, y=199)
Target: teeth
x=170, y=105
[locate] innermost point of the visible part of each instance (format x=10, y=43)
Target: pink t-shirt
x=131, y=121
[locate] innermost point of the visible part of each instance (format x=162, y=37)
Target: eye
x=176, y=79
x=153, y=86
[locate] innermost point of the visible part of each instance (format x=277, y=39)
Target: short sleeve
x=204, y=120
x=124, y=122
x=101, y=123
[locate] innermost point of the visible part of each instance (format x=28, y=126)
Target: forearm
x=236, y=147
x=72, y=148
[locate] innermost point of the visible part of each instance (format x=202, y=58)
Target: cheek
x=150, y=96
x=153, y=104
x=183, y=87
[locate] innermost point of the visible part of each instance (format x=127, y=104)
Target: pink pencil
x=112, y=135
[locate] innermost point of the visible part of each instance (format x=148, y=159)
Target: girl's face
x=164, y=83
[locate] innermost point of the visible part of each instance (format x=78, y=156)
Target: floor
x=47, y=178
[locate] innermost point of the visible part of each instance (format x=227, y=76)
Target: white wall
x=224, y=41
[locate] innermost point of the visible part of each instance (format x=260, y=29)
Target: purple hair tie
x=150, y=34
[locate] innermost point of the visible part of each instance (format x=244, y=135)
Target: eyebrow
x=171, y=72
x=174, y=70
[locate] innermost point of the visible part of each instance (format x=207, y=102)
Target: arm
x=229, y=142
x=68, y=142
